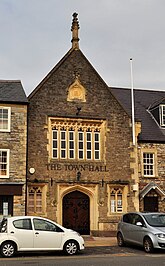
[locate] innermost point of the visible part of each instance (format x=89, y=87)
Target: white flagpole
x=132, y=104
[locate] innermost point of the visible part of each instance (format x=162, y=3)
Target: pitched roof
x=57, y=66
x=143, y=99
x=149, y=187
x=12, y=91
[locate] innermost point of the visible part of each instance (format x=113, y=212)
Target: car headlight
x=161, y=235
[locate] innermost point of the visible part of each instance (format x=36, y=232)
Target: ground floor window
x=36, y=199
x=117, y=198
x=6, y=205
x=116, y=202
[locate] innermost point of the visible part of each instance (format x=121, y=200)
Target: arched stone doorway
x=76, y=212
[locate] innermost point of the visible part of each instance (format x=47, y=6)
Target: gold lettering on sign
x=77, y=167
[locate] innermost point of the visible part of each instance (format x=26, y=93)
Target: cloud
x=35, y=35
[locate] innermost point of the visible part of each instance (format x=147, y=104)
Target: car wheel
x=8, y=249
x=120, y=240
x=71, y=247
x=148, y=245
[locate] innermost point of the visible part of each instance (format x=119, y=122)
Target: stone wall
x=16, y=142
x=50, y=100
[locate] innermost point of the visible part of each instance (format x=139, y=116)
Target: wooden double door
x=76, y=212
x=151, y=204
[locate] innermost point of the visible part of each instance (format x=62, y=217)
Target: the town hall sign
x=77, y=167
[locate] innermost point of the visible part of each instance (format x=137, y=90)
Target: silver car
x=143, y=229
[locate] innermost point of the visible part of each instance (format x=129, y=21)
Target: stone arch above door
x=151, y=195
x=91, y=192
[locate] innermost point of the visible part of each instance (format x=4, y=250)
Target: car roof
x=144, y=213
x=23, y=217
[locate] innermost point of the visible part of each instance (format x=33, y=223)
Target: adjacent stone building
x=13, y=148
x=150, y=115
x=84, y=170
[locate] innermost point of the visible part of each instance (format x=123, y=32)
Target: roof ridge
x=137, y=89
x=10, y=80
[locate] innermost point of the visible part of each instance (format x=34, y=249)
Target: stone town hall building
x=87, y=170
x=83, y=169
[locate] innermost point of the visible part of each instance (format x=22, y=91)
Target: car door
x=47, y=235
x=138, y=231
x=127, y=227
x=21, y=231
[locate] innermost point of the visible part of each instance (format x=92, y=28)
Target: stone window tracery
x=35, y=199
x=116, y=200
x=76, y=139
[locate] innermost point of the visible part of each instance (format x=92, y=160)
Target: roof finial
x=75, y=27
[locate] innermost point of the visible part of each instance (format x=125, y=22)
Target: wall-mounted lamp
x=51, y=182
x=78, y=110
x=78, y=176
x=102, y=182
x=32, y=170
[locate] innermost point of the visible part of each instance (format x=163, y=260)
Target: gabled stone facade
x=79, y=148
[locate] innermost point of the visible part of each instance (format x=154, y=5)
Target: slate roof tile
x=12, y=91
x=143, y=99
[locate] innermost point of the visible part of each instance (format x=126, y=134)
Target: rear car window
x=127, y=218
x=23, y=224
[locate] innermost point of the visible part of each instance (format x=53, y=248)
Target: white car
x=31, y=233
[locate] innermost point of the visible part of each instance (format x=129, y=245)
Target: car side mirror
x=139, y=224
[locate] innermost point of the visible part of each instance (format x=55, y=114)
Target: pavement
x=91, y=241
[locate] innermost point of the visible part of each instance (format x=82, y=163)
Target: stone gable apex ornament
x=76, y=92
x=74, y=28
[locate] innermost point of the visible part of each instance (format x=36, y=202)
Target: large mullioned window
x=76, y=142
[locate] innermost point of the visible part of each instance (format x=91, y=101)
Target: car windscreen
x=157, y=220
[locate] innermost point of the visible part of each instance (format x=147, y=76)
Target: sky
x=36, y=34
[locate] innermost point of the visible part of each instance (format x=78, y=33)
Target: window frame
x=95, y=127
x=114, y=206
x=8, y=119
x=7, y=163
x=149, y=151
x=57, y=141
x=17, y=226
x=69, y=141
x=162, y=114
x=81, y=145
x=91, y=143
x=35, y=188
x=78, y=145
x=95, y=142
x=124, y=190
x=64, y=140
